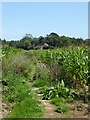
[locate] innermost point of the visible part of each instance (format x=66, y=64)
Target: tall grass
x=17, y=69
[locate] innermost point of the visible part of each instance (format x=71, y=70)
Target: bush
x=17, y=64
x=57, y=72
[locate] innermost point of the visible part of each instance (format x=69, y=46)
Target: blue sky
x=64, y=18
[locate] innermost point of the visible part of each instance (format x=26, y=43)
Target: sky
x=39, y=19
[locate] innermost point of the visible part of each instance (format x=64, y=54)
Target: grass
x=62, y=108
x=20, y=68
x=57, y=101
x=17, y=70
x=61, y=104
x=28, y=108
x=40, y=83
x=41, y=90
x=26, y=102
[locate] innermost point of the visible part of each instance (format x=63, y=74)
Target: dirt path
x=4, y=108
x=49, y=108
x=73, y=109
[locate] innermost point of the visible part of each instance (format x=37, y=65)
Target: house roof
x=45, y=45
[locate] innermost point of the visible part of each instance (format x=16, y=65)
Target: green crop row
x=73, y=60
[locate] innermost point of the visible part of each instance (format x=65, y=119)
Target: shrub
x=57, y=72
x=17, y=64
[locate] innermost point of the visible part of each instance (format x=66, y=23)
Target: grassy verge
x=17, y=70
x=29, y=107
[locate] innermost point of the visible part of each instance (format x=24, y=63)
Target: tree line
x=50, y=41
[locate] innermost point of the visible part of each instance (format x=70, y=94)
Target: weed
x=57, y=101
x=40, y=83
x=62, y=109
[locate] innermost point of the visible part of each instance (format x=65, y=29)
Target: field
x=45, y=83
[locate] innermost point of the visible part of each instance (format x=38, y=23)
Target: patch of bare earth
x=76, y=109
x=50, y=110
x=3, y=107
x=6, y=108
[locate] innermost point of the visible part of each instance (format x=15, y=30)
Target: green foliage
x=41, y=90
x=41, y=75
x=76, y=62
x=16, y=70
x=62, y=108
x=18, y=64
x=49, y=93
x=72, y=60
x=57, y=101
x=53, y=40
x=40, y=83
x=9, y=51
x=28, y=108
x=59, y=91
x=48, y=65
x=61, y=104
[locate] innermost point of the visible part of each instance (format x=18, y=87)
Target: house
x=44, y=46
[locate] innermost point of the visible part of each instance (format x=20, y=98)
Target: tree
x=41, y=40
x=52, y=39
x=27, y=45
x=34, y=42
